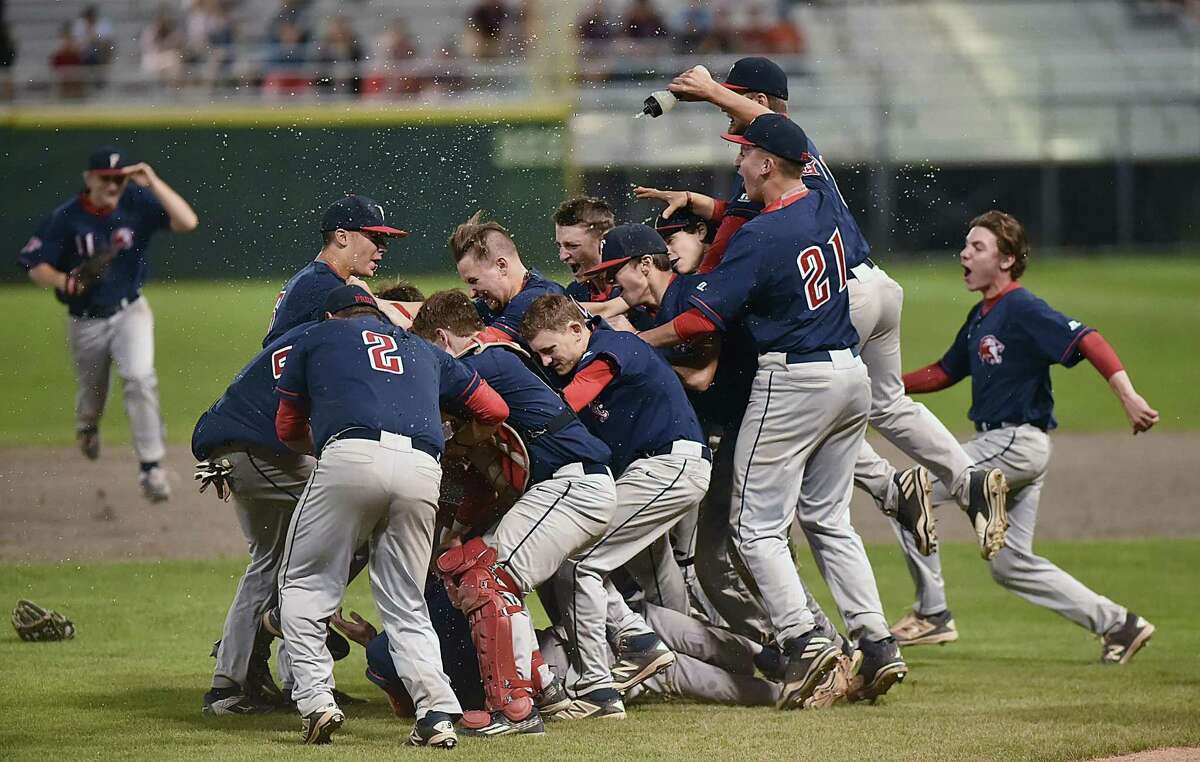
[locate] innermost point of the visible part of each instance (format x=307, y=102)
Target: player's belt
x=682, y=447
x=820, y=355
x=102, y=311
x=375, y=435
x=868, y=263
x=581, y=469
x=988, y=426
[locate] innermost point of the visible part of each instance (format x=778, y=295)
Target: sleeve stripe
x=1070, y=350
x=288, y=393
x=470, y=388
x=707, y=311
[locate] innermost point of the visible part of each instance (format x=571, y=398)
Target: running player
x=1006, y=346
x=372, y=391
x=110, y=321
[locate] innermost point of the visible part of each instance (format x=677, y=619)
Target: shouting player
x=579, y=224
x=92, y=251
x=1006, y=346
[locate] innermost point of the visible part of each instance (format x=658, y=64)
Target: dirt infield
x=57, y=506
x=1175, y=754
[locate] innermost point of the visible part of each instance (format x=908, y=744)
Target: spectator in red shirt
x=65, y=62
x=487, y=26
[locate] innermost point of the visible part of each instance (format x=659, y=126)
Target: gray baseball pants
x=1023, y=454
x=652, y=494
x=265, y=487
x=795, y=459
x=385, y=492
x=126, y=338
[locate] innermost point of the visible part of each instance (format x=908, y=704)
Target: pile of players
x=656, y=430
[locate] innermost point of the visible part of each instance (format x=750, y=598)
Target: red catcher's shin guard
x=489, y=598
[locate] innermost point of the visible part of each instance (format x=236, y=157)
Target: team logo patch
x=122, y=238
x=33, y=245
x=599, y=411
x=810, y=169
x=990, y=349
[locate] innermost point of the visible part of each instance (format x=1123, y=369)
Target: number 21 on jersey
x=380, y=348
x=812, y=266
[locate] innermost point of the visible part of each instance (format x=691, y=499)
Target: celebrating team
x=704, y=384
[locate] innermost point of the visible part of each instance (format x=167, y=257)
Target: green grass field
x=1146, y=306
x=1021, y=683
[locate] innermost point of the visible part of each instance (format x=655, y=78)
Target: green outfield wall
x=259, y=180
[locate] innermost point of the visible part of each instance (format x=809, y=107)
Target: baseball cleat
x=229, y=702
x=270, y=622
x=318, y=727
x=491, y=724
x=882, y=667
x=915, y=629
x=1121, y=644
x=810, y=659
x=89, y=442
x=600, y=704
x=771, y=663
x=155, y=486
x=639, y=658
x=435, y=729
x=553, y=698
x=986, y=510
x=914, y=507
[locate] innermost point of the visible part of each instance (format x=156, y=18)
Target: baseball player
x=92, y=251
x=688, y=237
x=240, y=455
x=1006, y=346
x=756, y=86
x=629, y=397
x=784, y=277
x=489, y=264
x=355, y=238
x=568, y=503
x=372, y=392
x=579, y=223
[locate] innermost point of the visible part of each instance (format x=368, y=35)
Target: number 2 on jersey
x=380, y=347
x=811, y=262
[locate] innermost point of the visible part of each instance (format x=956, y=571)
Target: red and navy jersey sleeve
x=1054, y=335
x=723, y=293
x=45, y=246
x=957, y=360
x=611, y=355
x=293, y=382
x=457, y=381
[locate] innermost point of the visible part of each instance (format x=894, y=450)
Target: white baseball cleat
x=154, y=483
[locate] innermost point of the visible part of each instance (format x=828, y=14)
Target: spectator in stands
x=94, y=36
x=596, y=29
x=290, y=14
x=393, y=61
x=767, y=34
x=340, y=53
x=65, y=62
x=487, y=28
x=8, y=56
x=220, y=29
x=287, y=72
x=722, y=33
x=695, y=23
x=162, y=49
x=643, y=21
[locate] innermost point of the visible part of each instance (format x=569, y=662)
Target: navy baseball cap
x=107, y=160
x=347, y=296
x=357, y=213
x=757, y=75
x=625, y=242
x=680, y=219
x=776, y=134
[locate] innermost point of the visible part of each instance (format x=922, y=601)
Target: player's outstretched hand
x=674, y=199
x=1141, y=416
x=141, y=173
x=695, y=84
x=360, y=630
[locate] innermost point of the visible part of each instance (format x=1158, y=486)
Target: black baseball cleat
x=553, y=698
x=491, y=724
x=639, y=658
x=882, y=667
x=230, y=702
x=1121, y=644
x=435, y=729
x=771, y=663
x=914, y=507
x=318, y=727
x=987, y=510
x=602, y=704
x=810, y=657
x=89, y=442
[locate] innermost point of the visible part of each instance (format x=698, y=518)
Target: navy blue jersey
x=365, y=373
x=75, y=231
x=584, y=292
x=245, y=413
x=644, y=408
x=532, y=407
x=509, y=318
x=301, y=299
x=725, y=400
x=1007, y=351
x=784, y=276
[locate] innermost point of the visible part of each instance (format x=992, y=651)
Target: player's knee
x=1007, y=565
x=140, y=384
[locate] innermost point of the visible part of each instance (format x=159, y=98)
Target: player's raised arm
x=1104, y=358
x=183, y=217
x=705, y=206
x=697, y=84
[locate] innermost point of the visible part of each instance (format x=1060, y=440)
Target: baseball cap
x=357, y=213
x=682, y=218
x=756, y=74
x=624, y=242
x=776, y=134
x=347, y=296
x=107, y=160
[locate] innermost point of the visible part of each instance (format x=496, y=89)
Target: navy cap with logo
x=107, y=160
x=774, y=133
x=757, y=75
x=625, y=242
x=681, y=219
x=357, y=213
x=344, y=297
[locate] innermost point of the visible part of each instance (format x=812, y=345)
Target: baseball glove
x=485, y=480
x=90, y=271
x=34, y=623
x=833, y=688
